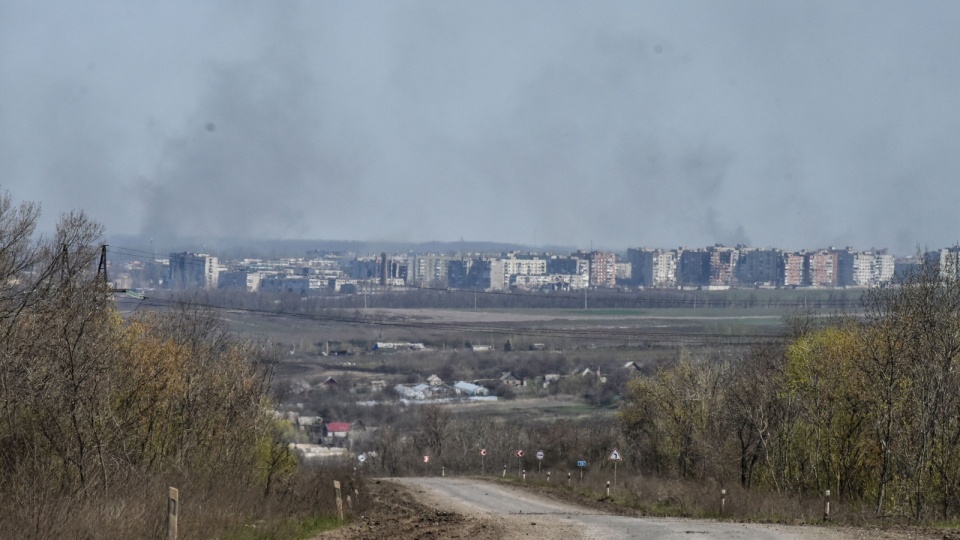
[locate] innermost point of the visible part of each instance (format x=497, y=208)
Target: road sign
x=483, y=451
x=581, y=464
x=426, y=459
x=362, y=457
x=519, y=453
x=615, y=455
x=540, y=454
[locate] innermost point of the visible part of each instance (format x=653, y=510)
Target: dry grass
x=647, y=496
x=300, y=507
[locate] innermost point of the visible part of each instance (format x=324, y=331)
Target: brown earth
x=395, y=512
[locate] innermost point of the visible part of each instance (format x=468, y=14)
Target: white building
x=193, y=271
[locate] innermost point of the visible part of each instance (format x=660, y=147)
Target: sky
x=796, y=125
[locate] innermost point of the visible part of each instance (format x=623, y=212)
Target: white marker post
x=173, y=511
x=336, y=486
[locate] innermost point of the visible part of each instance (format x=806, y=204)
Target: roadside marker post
x=548, y=477
x=723, y=500
x=568, y=479
x=504, y=470
x=336, y=486
x=173, y=511
x=615, y=457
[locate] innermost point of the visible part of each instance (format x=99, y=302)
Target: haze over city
x=612, y=124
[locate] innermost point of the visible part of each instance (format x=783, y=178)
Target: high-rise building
x=603, y=269
x=794, y=265
x=723, y=266
x=821, y=268
x=947, y=260
x=863, y=268
x=693, y=268
x=653, y=267
x=430, y=270
x=761, y=267
x=469, y=274
x=193, y=271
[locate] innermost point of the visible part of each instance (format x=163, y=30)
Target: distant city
x=708, y=268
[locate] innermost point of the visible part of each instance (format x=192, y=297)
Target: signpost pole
x=615, y=457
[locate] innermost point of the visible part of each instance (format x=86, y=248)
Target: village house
x=469, y=389
x=336, y=433
x=551, y=378
x=510, y=379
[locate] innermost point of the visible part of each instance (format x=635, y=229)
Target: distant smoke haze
x=786, y=124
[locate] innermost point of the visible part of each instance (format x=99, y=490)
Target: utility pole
x=101, y=268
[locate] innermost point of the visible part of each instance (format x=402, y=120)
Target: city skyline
x=791, y=124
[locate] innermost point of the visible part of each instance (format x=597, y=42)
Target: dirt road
x=517, y=514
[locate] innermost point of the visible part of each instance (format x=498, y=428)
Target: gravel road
x=524, y=515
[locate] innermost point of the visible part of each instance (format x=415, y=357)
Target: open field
x=445, y=328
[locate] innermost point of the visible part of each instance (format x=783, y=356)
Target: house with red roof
x=339, y=433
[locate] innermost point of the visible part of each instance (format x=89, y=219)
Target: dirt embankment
x=396, y=513
x=406, y=513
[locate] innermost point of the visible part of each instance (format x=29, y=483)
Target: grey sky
x=787, y=124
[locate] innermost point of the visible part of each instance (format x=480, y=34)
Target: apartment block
x=693, y=268
x=469, y=274
x=762, y=267
x=821, y=268
x=864, y=268
x=947, y=260
x=653, y=267
x=430, y=270
x=603, y=269
x=794, y=268
x=193, y=271
x=722, y=266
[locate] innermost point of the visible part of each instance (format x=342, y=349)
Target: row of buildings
x=714, y=267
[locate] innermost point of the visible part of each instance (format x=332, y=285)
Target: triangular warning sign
x=615, y=455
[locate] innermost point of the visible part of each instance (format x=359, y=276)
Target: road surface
x=529, y=515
